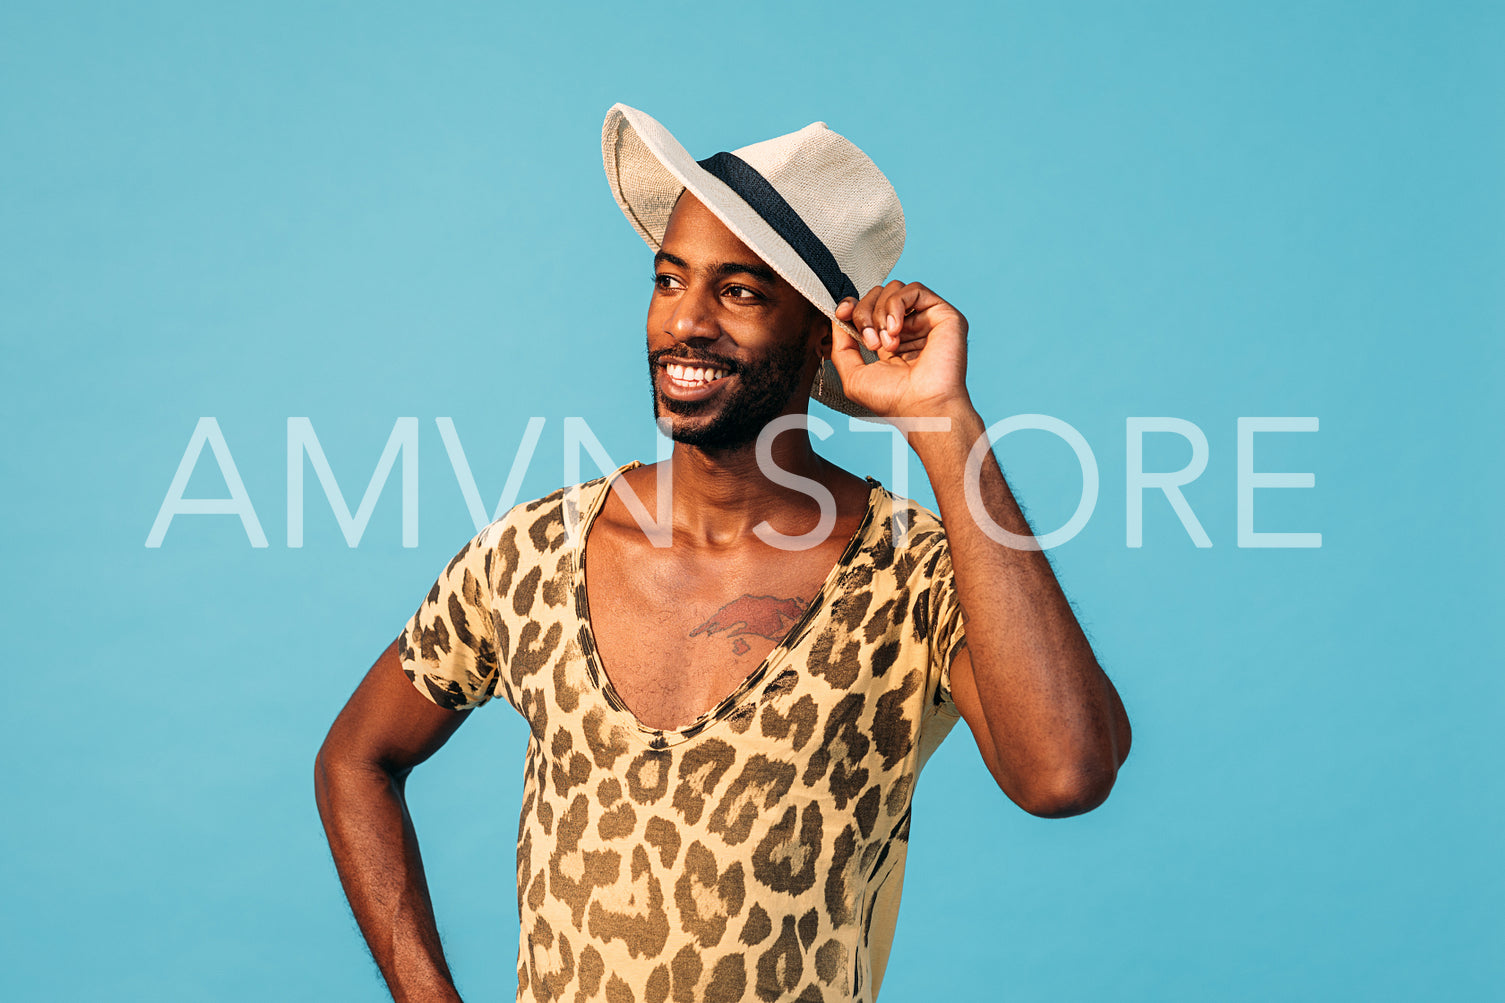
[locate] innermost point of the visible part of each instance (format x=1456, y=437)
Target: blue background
x=356, y=212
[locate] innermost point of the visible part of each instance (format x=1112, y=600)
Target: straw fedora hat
x=809, y=203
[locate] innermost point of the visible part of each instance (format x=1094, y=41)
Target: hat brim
x=647, y=168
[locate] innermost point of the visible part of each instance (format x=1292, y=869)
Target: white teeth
x=686, y=374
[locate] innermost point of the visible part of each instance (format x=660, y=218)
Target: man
x=727, y=729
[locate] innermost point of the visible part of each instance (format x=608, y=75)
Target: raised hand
x=921, y=343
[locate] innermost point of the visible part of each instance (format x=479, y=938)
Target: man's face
x=731, y=345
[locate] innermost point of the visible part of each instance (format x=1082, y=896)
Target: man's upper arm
x=388, y=723
x=443, y=664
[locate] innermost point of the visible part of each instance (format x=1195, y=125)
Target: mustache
x=694, y=358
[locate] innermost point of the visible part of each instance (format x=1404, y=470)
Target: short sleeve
x=947, y=628
x=449, y=647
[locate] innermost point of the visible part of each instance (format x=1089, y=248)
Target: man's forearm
x=1055, y=720
x=375, y=850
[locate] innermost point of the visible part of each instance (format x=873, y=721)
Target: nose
x=694, y=316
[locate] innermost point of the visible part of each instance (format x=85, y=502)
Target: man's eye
x=662, y=281
x=741, y=293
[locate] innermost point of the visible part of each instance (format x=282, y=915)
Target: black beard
x=763, y=389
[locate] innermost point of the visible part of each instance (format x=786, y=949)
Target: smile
x=690, y=376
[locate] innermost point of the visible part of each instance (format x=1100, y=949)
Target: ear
x=820, y=331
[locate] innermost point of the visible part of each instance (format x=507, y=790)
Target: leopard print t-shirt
x=758, y=852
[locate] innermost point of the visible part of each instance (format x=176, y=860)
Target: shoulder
x=544, y=525
x=914, y=532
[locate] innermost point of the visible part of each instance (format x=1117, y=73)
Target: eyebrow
x=724, y=268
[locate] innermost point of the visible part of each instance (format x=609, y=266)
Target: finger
x=844, y=315
x=907, y=306
x=885, y=320
x=864, y=318
x=889, y=311
x=871, y=318
x=908, y=345
x=845, y=355
x=889, y=308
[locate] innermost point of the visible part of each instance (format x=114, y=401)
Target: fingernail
x=870, y=337
x=893, y=322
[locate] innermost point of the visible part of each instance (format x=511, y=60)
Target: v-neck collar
x=664, y=738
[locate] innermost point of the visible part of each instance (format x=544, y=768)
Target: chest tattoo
x=760, y=616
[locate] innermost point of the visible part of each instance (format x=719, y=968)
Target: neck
x=720, y=495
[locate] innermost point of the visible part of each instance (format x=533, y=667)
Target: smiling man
x=727, y=731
